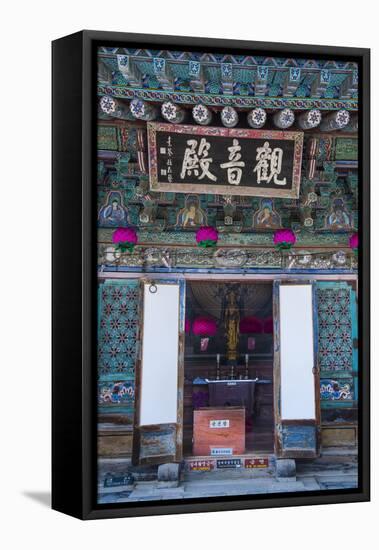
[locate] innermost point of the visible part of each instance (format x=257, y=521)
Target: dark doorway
x=228, y=361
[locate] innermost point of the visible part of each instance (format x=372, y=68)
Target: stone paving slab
x=311, y=476
x=150, y=491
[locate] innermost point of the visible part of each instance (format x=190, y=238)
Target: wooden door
x=296, y=373
x=158, y=422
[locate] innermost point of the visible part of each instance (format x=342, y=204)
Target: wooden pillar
x=284, y=118
x=229, y=117
x=309, y=119
x=201, y=114
x=335, y=121
x=172, y=112
x=256, y=118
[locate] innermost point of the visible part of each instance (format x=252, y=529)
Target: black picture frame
x=74, y=289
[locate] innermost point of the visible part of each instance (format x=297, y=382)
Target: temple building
x=227, y=269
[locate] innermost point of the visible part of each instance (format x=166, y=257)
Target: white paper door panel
x=159, y=377
x=296, y=352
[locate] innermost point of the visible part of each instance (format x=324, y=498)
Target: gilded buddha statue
x=231, y=324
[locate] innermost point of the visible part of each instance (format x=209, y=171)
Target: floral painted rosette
x=229, y=117
x=201, y=114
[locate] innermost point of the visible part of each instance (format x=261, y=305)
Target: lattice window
x=118, y=320
x=335, y=328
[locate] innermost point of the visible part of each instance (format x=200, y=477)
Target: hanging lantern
x=284, y=239
x=207, y=236
x=125, y=238
x=204, y=326
x=250, y=325
x=268, y=325
x=353, y=242
x=251, y=344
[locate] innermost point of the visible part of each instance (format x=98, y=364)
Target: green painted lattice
x=117, y=344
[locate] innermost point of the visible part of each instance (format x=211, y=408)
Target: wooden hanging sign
x=224, y=161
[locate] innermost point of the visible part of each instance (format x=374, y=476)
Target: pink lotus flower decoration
x=207, y=236
x=204, y=326
x=268, y=325
x=284, y=238
x=250, y=325
x=125, y=238
x=353, y=242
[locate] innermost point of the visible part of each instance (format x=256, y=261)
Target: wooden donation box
x=219, y=431
x=236, y=393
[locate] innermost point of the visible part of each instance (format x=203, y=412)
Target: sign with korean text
x=220, y=451
x=219, y=423
x=229, y=463
x=224, y=161
x=256, y=462
x=201, y=465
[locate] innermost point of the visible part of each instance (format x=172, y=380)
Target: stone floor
x=333, y=470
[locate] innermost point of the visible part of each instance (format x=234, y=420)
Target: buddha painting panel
x=338, y=219
x=113, y=213
x=266, y=217
x=192, y=215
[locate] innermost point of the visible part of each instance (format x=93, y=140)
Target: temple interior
x=228, y=362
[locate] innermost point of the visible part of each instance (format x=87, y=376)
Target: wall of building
x=323, y=218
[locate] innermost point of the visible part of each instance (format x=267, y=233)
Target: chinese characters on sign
x=269, y=164
x=224, y=161
x=167, y=151
x=196, y=161
x=235, y=165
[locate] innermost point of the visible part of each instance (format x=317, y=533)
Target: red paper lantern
x=250, y=325
x=204, y=326
x=284, y=238
x=354, y=242
x=125, y=238
x=207, y=236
